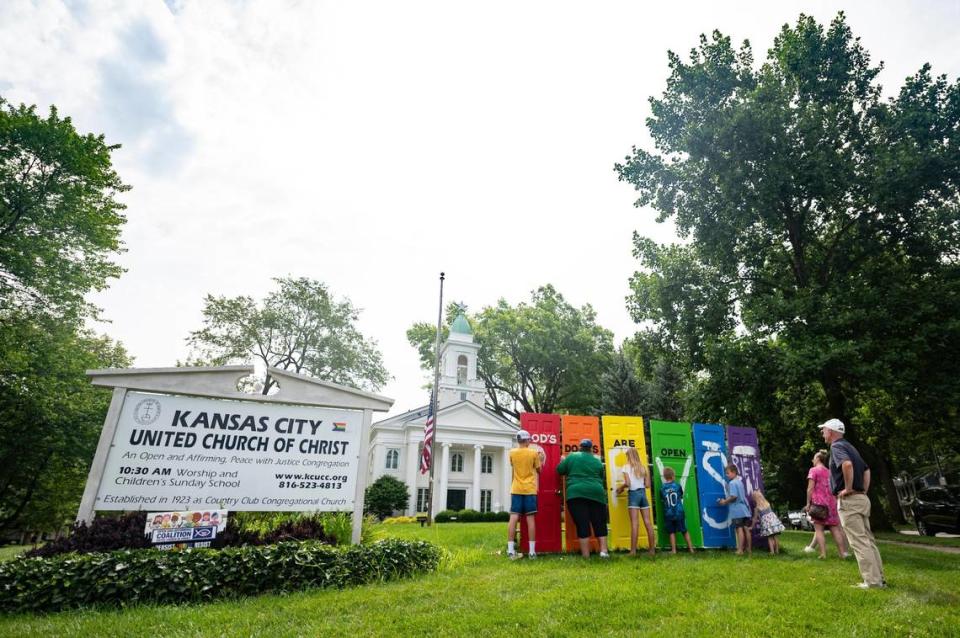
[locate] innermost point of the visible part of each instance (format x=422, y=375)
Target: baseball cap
x=523, y=435
x=833, y=424
x=586, y=443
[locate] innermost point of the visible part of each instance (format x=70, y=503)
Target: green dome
x=461, y=325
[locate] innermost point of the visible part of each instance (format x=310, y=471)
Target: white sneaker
x=604, y=555
x=513, y=555
x=808, y=550
x=869, y=586
x=531, y=556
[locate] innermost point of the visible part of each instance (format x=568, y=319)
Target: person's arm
x=729, y=498
x=562, y=466
x=847, y=469
x=866, y=480
x=809, y=492
x=626, y=483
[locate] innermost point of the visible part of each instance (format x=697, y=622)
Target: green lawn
x=480, y=593
x=9, y=552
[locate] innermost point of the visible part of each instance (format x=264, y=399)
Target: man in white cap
x=525, y=463
x=849, y=481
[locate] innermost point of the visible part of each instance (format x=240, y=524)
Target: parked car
x=937, y=509
x=799, y=520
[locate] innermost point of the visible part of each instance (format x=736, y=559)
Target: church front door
x=456, y=500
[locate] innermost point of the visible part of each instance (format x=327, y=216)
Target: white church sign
x=178, y=452
x=187, y=439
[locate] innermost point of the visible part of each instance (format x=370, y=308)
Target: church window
x=461, y=369
x=486, y=464
x=393, y=459
x=456, y=462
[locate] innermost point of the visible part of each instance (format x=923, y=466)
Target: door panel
x=544, y=430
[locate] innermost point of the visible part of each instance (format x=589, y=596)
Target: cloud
x=135, y=103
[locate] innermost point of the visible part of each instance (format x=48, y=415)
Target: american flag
x=428, y=431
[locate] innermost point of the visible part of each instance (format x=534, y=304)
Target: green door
x=671, y=446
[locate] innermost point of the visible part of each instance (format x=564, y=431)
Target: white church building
x=472, y=443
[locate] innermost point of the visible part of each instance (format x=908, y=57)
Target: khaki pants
x=854, y=513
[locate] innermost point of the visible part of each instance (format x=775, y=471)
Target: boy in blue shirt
x=739, y=509
x=674, y=518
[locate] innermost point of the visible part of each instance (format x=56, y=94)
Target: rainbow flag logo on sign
x=339, y=426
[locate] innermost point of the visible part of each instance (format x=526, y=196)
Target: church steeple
x=458, y=366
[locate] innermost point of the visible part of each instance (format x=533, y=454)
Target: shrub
x=469, y=516
x=104, y=534
x=153, y=576
x=399, y=519
x=111, y=533
x=385, y=495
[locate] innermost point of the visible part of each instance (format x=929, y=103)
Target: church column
x=440, y=499
x=507, y=473
x=413, y=466
x=476, y=477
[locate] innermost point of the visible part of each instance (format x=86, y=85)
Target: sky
x=372, y=145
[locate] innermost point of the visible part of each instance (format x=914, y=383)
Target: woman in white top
x=635, y=480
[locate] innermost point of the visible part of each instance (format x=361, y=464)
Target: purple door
x=745, y=454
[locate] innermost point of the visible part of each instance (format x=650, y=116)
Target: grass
x=479, y=592
x=940, y=541
x=9, y=552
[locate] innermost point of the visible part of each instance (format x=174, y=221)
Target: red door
x=544, y=432
x=575, y=429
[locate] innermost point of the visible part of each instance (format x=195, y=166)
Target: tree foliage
x=60, y=220
x=541, y=356
x=384, y=496
x=60, y=227
x=50, y=417
x=820, y=275
x=621, y=392
x=299, y=327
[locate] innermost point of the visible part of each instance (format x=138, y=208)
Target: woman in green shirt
x=586, y=496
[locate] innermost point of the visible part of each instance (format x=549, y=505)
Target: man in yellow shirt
x=526, y=464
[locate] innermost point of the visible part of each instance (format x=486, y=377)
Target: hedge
x=126, y=577
x=470, y=516
x=126, y=531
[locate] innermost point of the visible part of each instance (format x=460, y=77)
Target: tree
x=541, y=356
x=60, y=220
x=50, y=417
x=299, y=327
x=822, y=231
x=384, y=496
x=620, y=390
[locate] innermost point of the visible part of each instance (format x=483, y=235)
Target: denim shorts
x=523, y=504
x=637, y=500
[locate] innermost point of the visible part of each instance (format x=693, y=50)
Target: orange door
x=575, y=429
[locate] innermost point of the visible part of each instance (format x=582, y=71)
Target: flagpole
x=434, y=400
